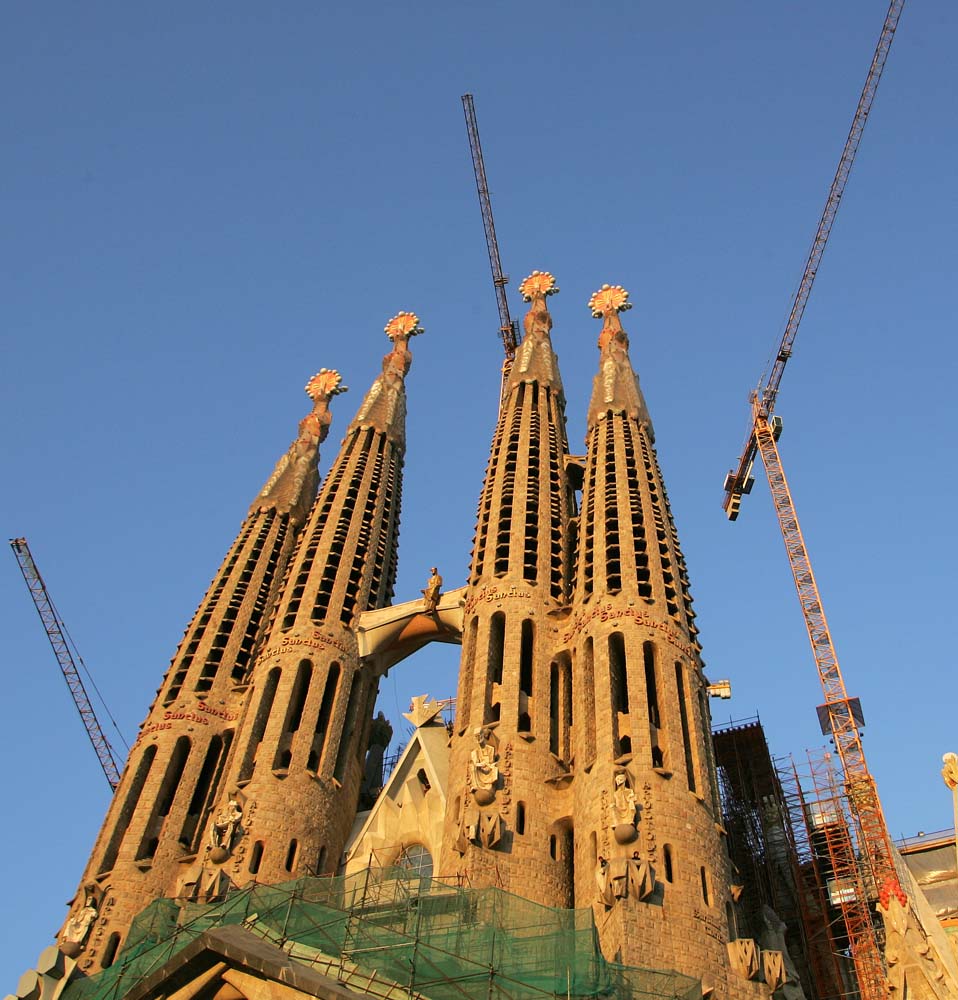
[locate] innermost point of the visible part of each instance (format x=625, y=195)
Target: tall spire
x=616, y=387
x=307, y=721
x=511, y=746
x=535, y=360
x=384, y=406
x=158, y=820
x=292, y=487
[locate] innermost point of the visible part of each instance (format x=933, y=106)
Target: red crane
x=67, y=657
x=840, y=715
x=508, y=328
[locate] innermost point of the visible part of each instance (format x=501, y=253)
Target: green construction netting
x=439, y=941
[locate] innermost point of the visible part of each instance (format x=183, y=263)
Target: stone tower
x=158, y=818
x=293, y=780
x=648, y=823
x=510, y=751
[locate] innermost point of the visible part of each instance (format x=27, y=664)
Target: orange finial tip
x=325, y=383
x=403, y=324
x=538, y=283
x=609, y=299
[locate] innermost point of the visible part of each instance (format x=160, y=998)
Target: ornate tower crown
x=403, y=326
x=539, y=283
x=609, y=299
x=326, y=383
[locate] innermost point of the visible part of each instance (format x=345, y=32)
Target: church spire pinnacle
x=535, y=359
x=384, y=407
x=616, y=387
x=292, y=486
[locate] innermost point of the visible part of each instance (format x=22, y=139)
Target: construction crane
x=67, y=657
x=508, y=328
x=840, y=715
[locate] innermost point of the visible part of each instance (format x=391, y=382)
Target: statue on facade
x=483, y=771
x=432, y=592
x=78, y=926
x=623, y=810
x=223, y=830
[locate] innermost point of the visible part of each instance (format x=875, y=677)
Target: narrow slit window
x=129, y=808
x=256, y=857
x=684, y=719
x=619, y=681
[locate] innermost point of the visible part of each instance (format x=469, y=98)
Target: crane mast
x=841, y=714
x=739, y=480
x=508, y=328
x=57, y=634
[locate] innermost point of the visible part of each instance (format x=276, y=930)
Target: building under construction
x=573, y=829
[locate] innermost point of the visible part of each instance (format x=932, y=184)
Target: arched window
x=416, y=858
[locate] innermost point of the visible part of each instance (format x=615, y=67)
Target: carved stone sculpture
x=773, y=969
x=78, y=927
x=641, y=877
x=483, y=771
x=430, y=596
x=223, y=831
x=743, y=956
x=623, y=810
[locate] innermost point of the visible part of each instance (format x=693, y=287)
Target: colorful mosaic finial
x=539, y=283
x=403, y=325
x=326, y=383
x=609, y=299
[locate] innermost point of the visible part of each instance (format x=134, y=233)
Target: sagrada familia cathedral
x=561, y=835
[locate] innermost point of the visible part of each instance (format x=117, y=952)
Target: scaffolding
x=389, y=933
x=840, y=894
x=755, y=817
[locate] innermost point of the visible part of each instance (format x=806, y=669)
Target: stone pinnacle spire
x=292, y=487
x=616, y=387
x=384, y=407
x=535, y=359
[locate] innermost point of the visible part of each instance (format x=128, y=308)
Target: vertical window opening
x=201, y=802
x=259, y=724
x=349, y=726
x=565, y=707
x=321, y=863
x=256, y=857
x=464, y=702
x=294, y=714
x=667, y=860
x=164, y=800
x=684, y=719
x=497, y=638
x=520, y=818
x=129, y=808
x=652, y=697
x=322, y=720
x=291, y=855
x=619, y=681
x=705, y=886
x=110, y=950
x=526, y=657
x=553, y=847
x=554, y=708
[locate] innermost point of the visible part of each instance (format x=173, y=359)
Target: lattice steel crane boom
x=840, y=715
x=59, y=640
x=739, y=480
x=508, y=328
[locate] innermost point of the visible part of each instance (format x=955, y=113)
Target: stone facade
x=579, y=769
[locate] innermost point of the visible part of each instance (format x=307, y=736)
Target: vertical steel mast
x=508, y=328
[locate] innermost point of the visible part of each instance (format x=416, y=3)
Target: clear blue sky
x=203, y=204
